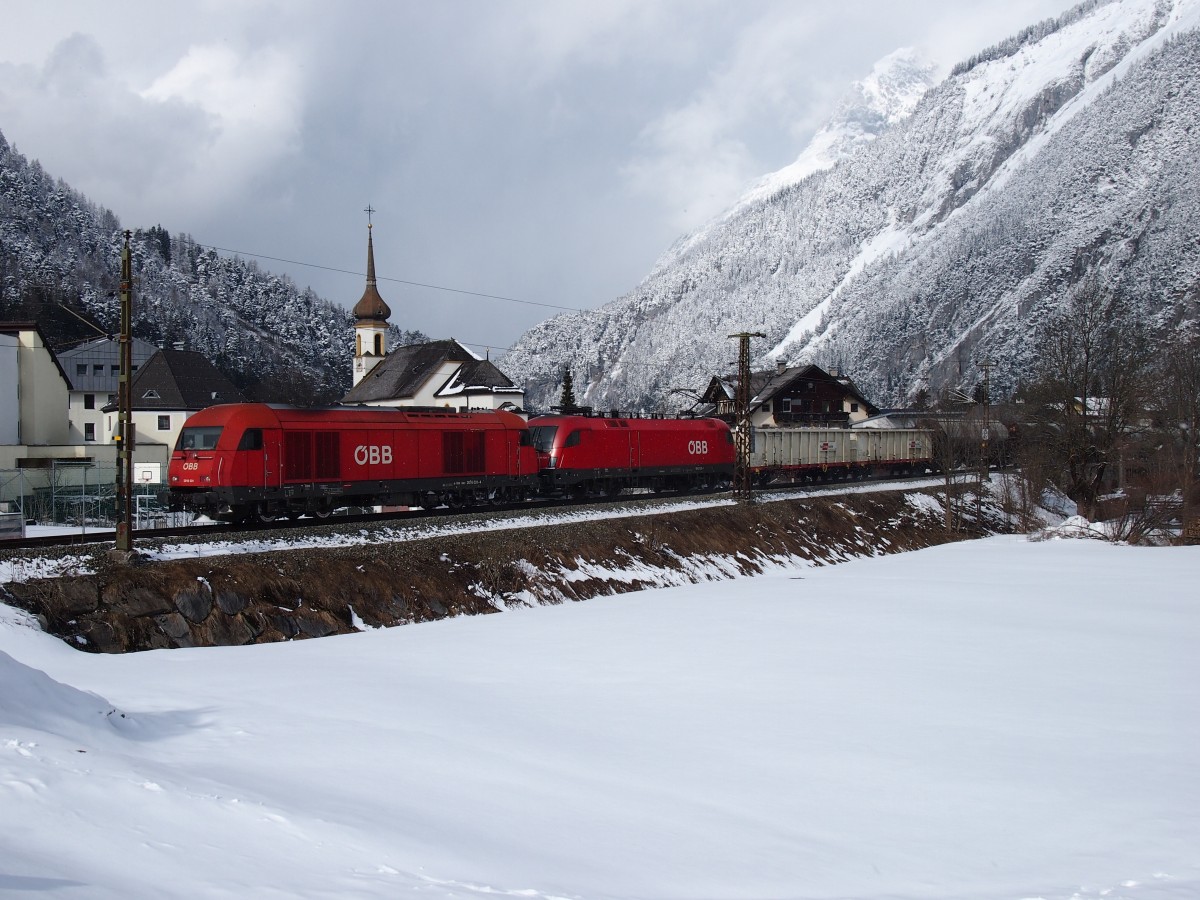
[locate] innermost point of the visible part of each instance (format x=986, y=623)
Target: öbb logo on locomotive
x=374, y=454
x=698, y=448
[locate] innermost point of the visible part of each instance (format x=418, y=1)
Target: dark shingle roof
x=181, y=379
x=404, y=371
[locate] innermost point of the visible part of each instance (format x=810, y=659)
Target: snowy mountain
x=939, y=232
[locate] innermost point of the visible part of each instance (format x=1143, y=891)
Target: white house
x=92, y=370
x=34, y=424
x=169, y=387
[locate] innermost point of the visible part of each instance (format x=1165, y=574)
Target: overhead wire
x=436, y=287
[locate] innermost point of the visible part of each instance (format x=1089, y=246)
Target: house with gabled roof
x=92, y=369
x=169, y=387
x=791, y=396
x=434, y=374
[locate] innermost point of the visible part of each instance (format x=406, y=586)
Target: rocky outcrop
x=296, y=594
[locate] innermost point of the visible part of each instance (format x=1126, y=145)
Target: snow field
x=992, y=719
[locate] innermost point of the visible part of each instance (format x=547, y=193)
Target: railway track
x=220, y=531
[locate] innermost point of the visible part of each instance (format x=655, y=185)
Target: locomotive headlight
x=206, y=478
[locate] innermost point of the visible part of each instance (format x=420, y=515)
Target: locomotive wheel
x=261, y=514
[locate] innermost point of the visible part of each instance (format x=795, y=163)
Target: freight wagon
x=817, y=454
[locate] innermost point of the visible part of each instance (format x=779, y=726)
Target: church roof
x=371, y=308
x=404, y=371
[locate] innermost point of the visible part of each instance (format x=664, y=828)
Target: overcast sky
x=543, y=151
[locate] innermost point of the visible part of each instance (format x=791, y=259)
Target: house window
x=853, y=407
x=114, y=370
x=80, y=369
x=164, y=423
x=112, y=398
x=89, y=431
x=151, y=395
x=785, y=405
x=89, y=401
x=98, y=369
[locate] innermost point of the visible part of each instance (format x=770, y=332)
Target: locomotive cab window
x=542, y=437
x=251, y=439
x=202, y=437
x=573, y=439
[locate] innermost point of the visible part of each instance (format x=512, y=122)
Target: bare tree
x=1179, y=415
x=1089, y=391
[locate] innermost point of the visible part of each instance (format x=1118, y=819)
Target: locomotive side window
x=251, y=439
x=542, y=437
x=199, y=437
x=573, y=439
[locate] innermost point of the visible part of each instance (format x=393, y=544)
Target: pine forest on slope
x=60, y=265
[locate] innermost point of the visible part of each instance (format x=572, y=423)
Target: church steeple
x=371, y=307
x=371, y=315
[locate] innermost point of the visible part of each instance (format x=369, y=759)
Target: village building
x=438, y=374
x=791, y=396
x=168, y=387
x=34, y=424
x=93, y=370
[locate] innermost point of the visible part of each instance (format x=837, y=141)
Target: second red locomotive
x=581, y=455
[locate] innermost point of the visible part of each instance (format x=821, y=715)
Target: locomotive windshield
x=203, y=437
x=542, y=437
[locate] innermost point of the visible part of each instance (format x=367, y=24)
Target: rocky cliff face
x=1062, y=153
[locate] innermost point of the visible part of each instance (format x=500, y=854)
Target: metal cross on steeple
x=370, y=209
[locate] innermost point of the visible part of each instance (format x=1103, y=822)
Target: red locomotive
x=242, y=461
x=253, y=460
x=582, y=455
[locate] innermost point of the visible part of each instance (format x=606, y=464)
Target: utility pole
x=743, y=489
x=125, y=408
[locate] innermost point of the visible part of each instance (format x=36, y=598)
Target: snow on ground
x=997, y=719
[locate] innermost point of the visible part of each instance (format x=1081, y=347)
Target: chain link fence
x=83, y=494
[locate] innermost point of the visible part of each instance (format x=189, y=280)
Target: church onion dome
x=371, y=308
